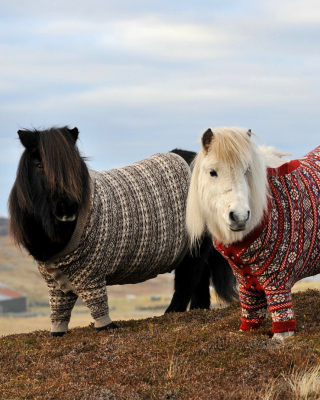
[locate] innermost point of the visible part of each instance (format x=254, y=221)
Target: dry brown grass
x=300, y=384
x=192, y=355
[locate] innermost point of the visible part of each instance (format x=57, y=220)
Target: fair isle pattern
x=136, y=230
x=284, y=249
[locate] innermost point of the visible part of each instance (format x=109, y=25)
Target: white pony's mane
x=232, y=147
x=272, y=156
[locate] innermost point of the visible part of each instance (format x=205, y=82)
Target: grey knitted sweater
x=134, y=231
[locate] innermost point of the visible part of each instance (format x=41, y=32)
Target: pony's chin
x=67, y=218
x=237, y=229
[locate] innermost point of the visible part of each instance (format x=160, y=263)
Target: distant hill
x=4, y=226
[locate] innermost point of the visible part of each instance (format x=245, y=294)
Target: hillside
x=192, y=355
x=4, y=226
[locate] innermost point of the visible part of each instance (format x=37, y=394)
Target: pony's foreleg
x=282, y=314
x=61, y=305
x=253, y=308
x=96, y=299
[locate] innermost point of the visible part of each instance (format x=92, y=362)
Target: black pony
x=53, y=188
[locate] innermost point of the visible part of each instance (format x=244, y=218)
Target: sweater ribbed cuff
x=102, y=321
x=249, y=324
x=59, y=326
x=284, y=326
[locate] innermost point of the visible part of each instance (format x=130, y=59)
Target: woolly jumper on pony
x=264, y=217
x=89, y=229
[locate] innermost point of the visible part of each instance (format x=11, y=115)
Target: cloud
x=145, y=76
x=164, y=39
x=295, y=12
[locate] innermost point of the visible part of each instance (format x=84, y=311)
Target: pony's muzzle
x=65, y=209
x=239, y=220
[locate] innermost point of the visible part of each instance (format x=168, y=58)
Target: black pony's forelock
x=63, y=165
x=66, y=174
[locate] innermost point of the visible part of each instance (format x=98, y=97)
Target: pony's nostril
x=248, y=215
x=231, y=216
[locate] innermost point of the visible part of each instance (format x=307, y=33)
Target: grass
x=300, y=384
x=191, y=355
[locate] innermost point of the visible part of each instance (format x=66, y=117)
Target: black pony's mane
x=66, y=174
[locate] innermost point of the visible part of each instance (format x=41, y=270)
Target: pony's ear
x=74, y=133
x=206, y=139
x=28, y=138
x=249, y=133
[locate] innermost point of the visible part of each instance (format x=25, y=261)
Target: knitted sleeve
x=253, y=308
x=96, y=299
x=280, y=307
x=61, y=305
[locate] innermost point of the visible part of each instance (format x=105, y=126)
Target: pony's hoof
x=107, y=327
x=280, y=336
x=58, y=334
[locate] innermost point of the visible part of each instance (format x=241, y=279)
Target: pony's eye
x=40, y=166
x=247, y=171
x=213, y=172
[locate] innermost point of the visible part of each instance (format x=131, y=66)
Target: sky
x=142, y=77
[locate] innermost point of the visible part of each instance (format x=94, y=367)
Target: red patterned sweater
x=283, y=249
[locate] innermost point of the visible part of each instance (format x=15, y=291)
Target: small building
x=11, y=300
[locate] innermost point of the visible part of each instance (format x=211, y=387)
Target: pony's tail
x=222, y=278
x=220, y=272
x=195, y=220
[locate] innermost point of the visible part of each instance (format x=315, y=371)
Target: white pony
x=264, y=216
